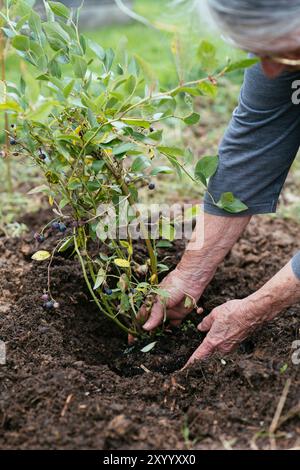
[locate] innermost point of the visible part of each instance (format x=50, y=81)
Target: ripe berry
x=151, y=186
x=49, y=305
x=45, y=297
x=108, y=291
x=13, y=142
x=62, y=228
x=55, y=225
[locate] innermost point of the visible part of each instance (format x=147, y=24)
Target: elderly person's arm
x=232, y=322
x=256, y=153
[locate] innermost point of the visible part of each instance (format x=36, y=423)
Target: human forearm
x=282, y=291
x=212, y=239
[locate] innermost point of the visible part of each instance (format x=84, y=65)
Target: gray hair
x=259, y=25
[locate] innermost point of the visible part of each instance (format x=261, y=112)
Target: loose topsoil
x=70, y=381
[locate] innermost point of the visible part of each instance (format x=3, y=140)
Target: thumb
x=156, y=317
x=203, y=352
x=207, y=322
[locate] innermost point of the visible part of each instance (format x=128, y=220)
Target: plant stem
x=113, y=318
x=126, y=192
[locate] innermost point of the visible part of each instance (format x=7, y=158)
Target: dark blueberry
x=13, y=142
x=42, y=156
x=45, y=297
x=108, y=291
x=55, y=225
x=12, y=126
x=62, y=228
x=151, y=186
x=49, y=305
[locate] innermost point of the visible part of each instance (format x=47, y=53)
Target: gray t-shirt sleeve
x=296, y=265
x=259, y=145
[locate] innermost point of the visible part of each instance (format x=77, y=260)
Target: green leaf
x=122, y=263
x=208, y=89
x=192, y=212
x=101, y=276
x=41, y=255
x=21, y=42
x=58, y=38
x=206, y=167
x=109, y=58
x=39, y=189
x=59, y=9
x=148, y=347
x=242, y=64
x=10, y=106
x=167, y=231
x=192, y=119
x=171, y=151
x=68, y=88
x=164, y=244
x=124, y=148
x=97, y=49
x=80, y=66
x=137, y=122
x=140, y=164
x=130, y=84
x=35, y=23
x=41, y=112
x=231, y=204
x=193, y=91
x=74, y=183
x=161, y=170
x=67, y=243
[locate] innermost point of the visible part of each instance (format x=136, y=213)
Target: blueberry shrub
x=95, y=126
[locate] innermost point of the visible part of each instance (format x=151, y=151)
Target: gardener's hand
x=227, y=326
x=180, y=286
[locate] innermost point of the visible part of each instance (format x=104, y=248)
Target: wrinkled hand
x=227, y=326
x=179, y=285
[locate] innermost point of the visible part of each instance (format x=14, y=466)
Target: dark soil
x=71, y=382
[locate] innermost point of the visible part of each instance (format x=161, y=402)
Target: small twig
x=292, y=413
x=67, y=402
x=276, y=420
x=145, y=369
